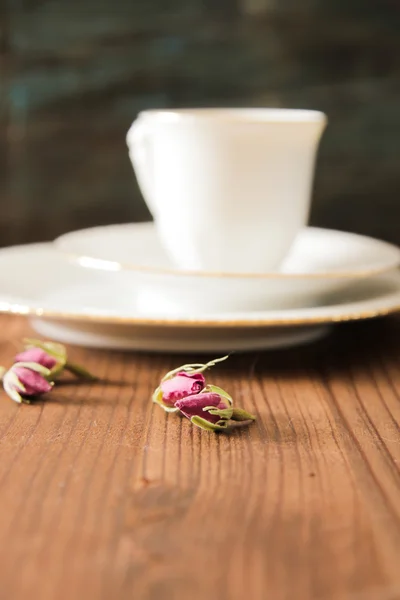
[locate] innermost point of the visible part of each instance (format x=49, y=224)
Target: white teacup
x=228, y=188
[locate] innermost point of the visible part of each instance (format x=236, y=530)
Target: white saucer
x=321, y=261
x=96, y=309
x=179, y=340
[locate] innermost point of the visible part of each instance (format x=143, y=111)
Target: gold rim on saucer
x=100, y=264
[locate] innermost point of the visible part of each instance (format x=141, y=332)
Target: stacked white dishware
x=228, y=263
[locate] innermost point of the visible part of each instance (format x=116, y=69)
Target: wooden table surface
x=104, y=496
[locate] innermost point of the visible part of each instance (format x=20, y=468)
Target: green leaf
x=217, y=390
x=12, y=380
x=57, y=350
x=57, y=370
x=238, y=424
x=79, y=371
x=194, y=367
x=203, y=424
x=186, y=368
x=212, y=363
x=34, y=367
x=10, y=390
x=224, y=413
x=238, y=414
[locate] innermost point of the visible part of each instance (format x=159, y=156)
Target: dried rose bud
x=25, y=380
x=207, y=410
x=37, y=355
x=180, y=383
x=41, y=352
x=212, y=410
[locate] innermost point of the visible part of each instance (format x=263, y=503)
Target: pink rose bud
x=181, y=385
x=181, y=382
x=212, y=410
x=37, y=355
x=207, y=410
x=54, y=357
x=26, y=380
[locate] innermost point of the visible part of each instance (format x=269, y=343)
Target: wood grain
x=104, y=496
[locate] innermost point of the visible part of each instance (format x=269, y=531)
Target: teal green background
x=74, y=74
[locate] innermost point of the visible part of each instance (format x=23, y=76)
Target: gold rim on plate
x=48, y=314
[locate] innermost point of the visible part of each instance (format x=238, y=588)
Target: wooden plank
x=103, y=495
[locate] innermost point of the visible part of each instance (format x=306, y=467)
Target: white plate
x=321, y=261
x=95, y=309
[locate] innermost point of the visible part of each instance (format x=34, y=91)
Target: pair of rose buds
x=36, y=369
x=183, y=390
x=208, y=406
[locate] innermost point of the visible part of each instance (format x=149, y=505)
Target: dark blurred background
x=74, y=74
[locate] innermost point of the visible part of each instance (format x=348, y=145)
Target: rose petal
x=36, y=355
x=181, y=385
x=32, y=381
x=193, y=406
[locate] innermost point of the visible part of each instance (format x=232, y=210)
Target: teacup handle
x=138, y=145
